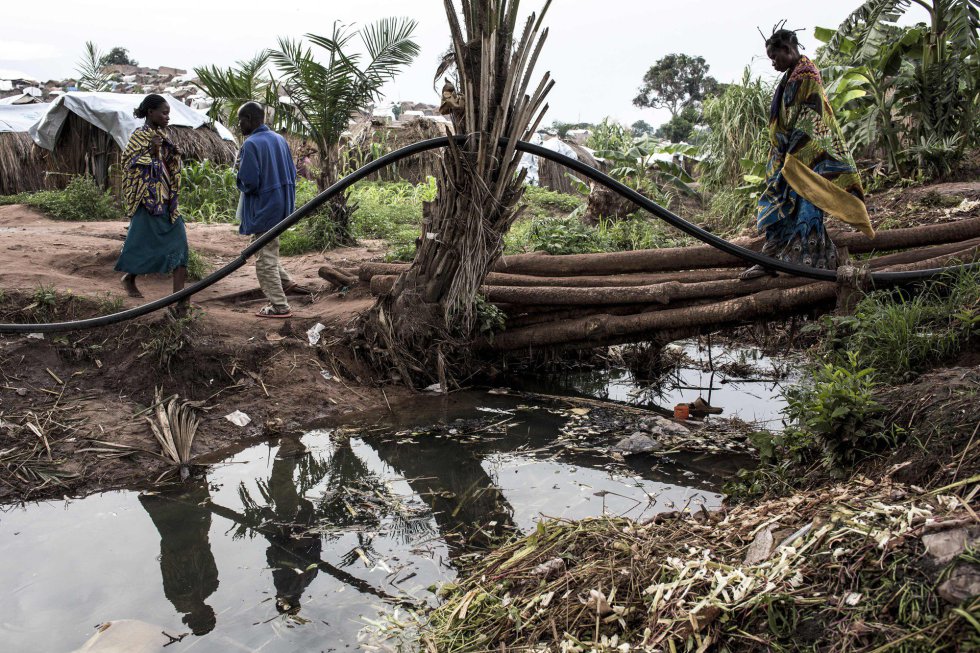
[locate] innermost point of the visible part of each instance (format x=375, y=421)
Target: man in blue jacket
x=267, y=180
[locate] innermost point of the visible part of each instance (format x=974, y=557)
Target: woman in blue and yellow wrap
x=811, y=173
x=156, y=241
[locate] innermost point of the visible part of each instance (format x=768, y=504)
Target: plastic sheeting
x=530, y=162
x=20, y=117
x=113, y=113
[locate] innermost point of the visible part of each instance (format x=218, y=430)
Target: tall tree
x=320, y=97
x=422, y=330
x=675, y=82
x=119, y=56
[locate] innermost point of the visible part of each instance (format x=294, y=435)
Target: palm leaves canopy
x=232, y=87
x=320, y=97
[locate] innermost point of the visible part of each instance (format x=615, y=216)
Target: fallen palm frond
x=826, y=570
x=175, y=427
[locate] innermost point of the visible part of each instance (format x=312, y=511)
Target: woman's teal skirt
x=153, y=244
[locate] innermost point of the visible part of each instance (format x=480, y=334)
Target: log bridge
x=591, y=300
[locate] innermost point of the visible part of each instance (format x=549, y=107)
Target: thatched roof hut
x=369, y=138
x=85, y=133
x=21, y=167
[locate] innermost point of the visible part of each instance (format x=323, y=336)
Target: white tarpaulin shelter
x=20, y=117
x=113, y=113
x=532, y=162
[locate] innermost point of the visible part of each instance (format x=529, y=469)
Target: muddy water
x=295, y=544
x=742, y=381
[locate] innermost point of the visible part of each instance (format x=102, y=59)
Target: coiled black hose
x=877, y=278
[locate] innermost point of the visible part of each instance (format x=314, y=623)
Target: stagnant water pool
x=294, y=544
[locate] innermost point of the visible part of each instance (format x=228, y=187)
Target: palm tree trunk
x=421, y=331
x=329, y=175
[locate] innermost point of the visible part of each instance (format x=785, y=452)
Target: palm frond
x=91, y=76
x=175, y=427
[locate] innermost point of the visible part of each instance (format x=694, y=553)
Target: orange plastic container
x=682, y=411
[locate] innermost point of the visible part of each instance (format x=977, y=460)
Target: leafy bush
x=81, y=200
x=901, y=336
x=197, y=266
x=570, y=236
x=208, y=192
x=839, y=410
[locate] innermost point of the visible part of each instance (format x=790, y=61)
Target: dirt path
x=83, y=389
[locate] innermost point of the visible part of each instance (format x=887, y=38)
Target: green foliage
x=542, y=202
x=641, y=128
x=921, y=84
x=91, y=77
x=120, y=56
x=232, y=87
x=736, y=148
x=562, y=128
x=208, y=192
x=648, y=166
x=570, y=236
x=676, y=81
x=324, y=94
x=609, y=135
x=489, y=318
x=839, y=410
x=197, y=266
x=901, y=336
x=81, y=200
x=680, y=127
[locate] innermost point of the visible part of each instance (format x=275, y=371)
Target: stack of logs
x=588, y=300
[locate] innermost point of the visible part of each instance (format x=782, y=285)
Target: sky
x=597, y=50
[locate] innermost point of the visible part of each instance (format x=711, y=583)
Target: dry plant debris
x=840, y=569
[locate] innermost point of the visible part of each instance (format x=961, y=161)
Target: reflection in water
x=338, y=527
x=293, y=554
x=186, y=563
x=449, y=476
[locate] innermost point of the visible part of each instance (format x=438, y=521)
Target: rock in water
x=637, y=443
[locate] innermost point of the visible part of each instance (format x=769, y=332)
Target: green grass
x=81, y=200
x=569, y=235
x=902, y=335
x=197, y=266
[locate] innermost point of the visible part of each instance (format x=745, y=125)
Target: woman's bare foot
x=129, y=283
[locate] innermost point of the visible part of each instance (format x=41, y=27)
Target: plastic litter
x=238, y=418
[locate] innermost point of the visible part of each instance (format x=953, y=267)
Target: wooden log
x=705, y=256
x=606, y=329
x=337, y=277
x=699, y=256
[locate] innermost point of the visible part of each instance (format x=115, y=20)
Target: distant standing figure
x=810, y=173
x=267, y=180
x=156, y=241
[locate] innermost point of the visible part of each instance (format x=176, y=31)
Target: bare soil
x=67, y=395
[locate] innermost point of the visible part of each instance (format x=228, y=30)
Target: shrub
x=901, y=336
x=197, y=266
x=839, y=410
x=208, y=192
x=81, y=200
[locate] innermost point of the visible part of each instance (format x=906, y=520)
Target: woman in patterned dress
x=810, y=173
x=156, y=241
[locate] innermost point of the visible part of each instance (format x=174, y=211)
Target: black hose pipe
x=877, y=278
